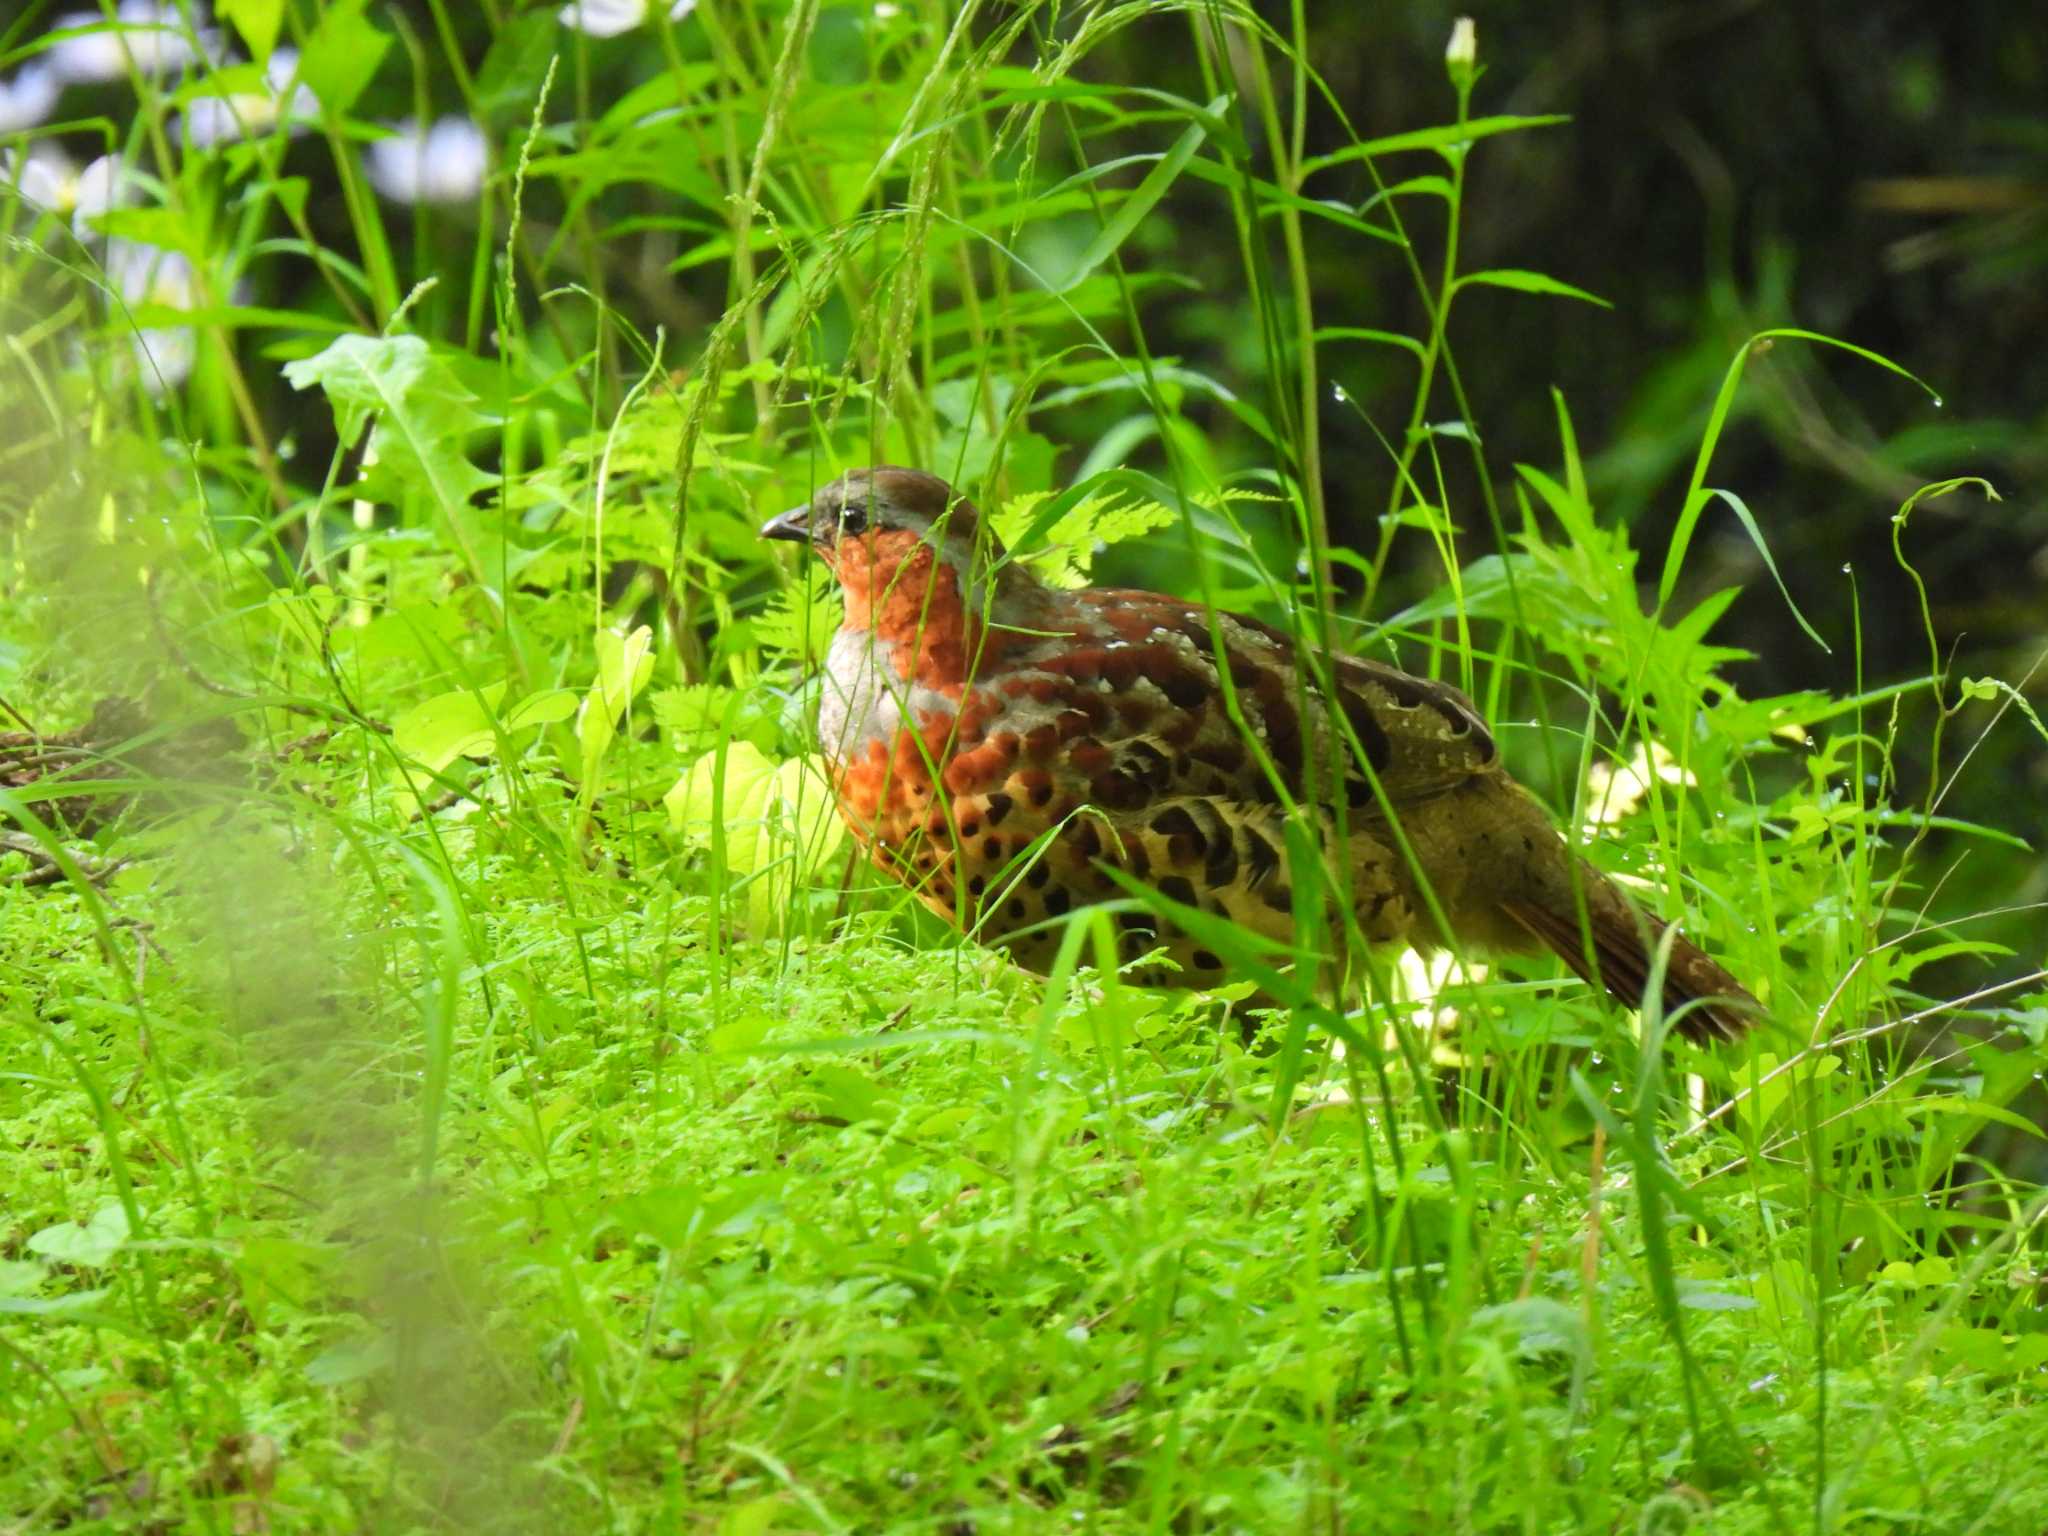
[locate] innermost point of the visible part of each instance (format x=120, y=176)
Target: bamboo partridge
x=969, y=709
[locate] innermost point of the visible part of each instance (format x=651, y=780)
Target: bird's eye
x=853, y=518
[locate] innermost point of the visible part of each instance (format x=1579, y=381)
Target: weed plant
x=456, y=1074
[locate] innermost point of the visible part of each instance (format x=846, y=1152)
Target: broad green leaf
x=761, y=1516
x=342, y=55
x=738, y=1035
x=460, y=723
x=88, y=1244
x=164, y=228
x=423, y=415
x=351, y=1360
x=846, y=1093
x=624, y=663
x=516, y=64
x=777, y=822
x=257, y=20
x=19, y=1277
x=543, y=708
x=436, y=731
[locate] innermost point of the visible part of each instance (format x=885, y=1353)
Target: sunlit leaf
x=257, y=20
x=460, y=723
x=342, y=55
x=775, y=822
x=422, y=415
x=624, y=663
x=87, y=1244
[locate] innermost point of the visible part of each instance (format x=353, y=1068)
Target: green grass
x=414, y=1116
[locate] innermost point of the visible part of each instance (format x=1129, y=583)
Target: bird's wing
x=1164, y=718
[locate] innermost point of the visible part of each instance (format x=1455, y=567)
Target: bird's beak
x=794, y=525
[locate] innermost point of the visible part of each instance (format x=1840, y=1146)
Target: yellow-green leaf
x=775, y=821
x=624, y=663
x=465, y=722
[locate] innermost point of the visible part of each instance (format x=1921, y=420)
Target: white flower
x=609, y=18
x=142, y=274
x=146, y=274
x=105, y=184
x=149, y=33
x=164, y=358
x=45, y=176
x=1462, y=52
x=442, y=164
x=27, y=100
x=1614, y=791
x=211, y=120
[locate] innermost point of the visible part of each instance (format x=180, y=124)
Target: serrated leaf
x=694, y=714
x=777, y=822
x=1060, y=544
x=1541, y=1325
x=800, y=620
x=422, y=413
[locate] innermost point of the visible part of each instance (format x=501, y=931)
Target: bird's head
x=911, y=554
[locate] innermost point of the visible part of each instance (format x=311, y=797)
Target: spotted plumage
x=999, y=745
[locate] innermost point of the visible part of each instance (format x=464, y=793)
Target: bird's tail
x=1623, y=940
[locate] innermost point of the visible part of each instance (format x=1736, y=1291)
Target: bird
x=1001, y=746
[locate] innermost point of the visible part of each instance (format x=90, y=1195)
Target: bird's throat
x=910, y=600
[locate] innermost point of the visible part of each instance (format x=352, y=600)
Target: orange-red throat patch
x=897, y=586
